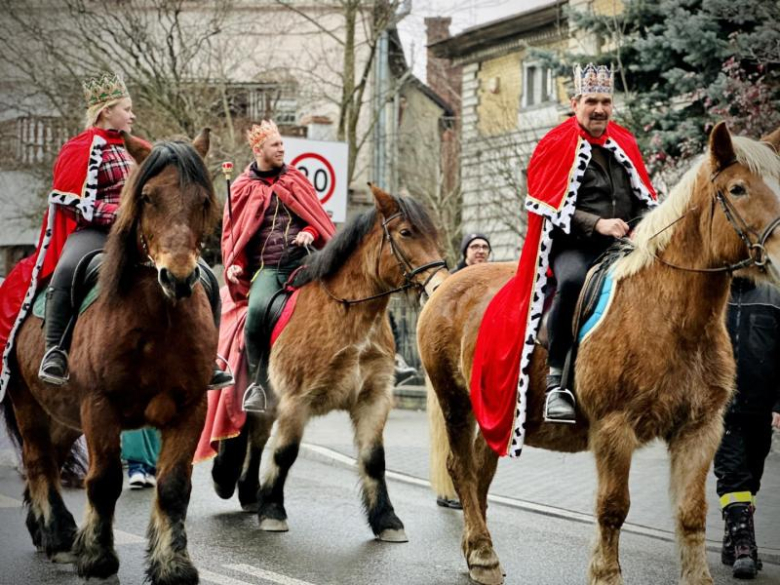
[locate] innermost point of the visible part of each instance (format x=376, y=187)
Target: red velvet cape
x=504, y=329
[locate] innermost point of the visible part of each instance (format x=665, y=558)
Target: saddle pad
x=602, y=305
x=39, y=304
x=284, y=318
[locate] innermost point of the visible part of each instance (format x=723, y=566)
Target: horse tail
x=11, y=426
x=441, y=483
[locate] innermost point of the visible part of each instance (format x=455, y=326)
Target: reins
x=408, y=270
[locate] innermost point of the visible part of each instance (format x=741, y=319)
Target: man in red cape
x=74, y=185
x=586, y=180
x=273, y=214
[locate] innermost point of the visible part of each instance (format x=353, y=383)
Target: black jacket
x=605, y=193
x=753, y=321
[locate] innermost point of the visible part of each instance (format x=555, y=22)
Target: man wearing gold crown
x=586, y=184
x=272, y=217
x=89, y=174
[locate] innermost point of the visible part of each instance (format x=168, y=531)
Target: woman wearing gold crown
x=89, y=174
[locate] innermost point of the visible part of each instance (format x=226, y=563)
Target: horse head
x=168, y=207
x=744, y=179
x=409, y=251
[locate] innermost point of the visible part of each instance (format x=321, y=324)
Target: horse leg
x=691, y=452
x=477, y=545
x=486, y=462
x=260, y=425
x=94, y=546
x=228, y=462
x=51, y=526
x=169, y=561
x=293, y=416
x=369, y=416
x=613, y=442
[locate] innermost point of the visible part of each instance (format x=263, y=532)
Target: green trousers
x=266, y=284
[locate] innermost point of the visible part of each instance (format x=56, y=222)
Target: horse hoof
x=392, y=535
x=486, y=576
x=250, y=507
x=224, y=491
x=64, y=557
x=271, y=525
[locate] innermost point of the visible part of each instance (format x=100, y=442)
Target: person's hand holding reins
x=233, y=272
x=617, y=228
x=303, y=239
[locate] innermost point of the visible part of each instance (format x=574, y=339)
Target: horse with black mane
x=143, y=355
x=662, y=369
x=337, y=352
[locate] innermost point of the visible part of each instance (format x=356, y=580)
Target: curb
x=327, y=455
x=409, y=397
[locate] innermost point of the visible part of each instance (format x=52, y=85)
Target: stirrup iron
x=255, y=399
x=553, y=393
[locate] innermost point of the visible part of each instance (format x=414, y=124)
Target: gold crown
x=592, y=79
x=104, y=88
x=259, y=134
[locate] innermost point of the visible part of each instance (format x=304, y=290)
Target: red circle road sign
x=331, y=174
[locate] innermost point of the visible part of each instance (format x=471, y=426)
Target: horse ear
x=385, y=203
x=137, y=148
x=202, y=142
x=773, y=139
x=721, y=148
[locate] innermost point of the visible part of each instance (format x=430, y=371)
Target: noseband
x=408, y=270
x=757, y=255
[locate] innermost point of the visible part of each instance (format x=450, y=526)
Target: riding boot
x=559, y=402
x=255, y=398
x=753, y=544
x=738, y=523
x=59, y=312
x=219, y=378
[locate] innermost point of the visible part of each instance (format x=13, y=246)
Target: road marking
x=210, y=577
x=267, y=575
x=6, y=502
x=122, y=537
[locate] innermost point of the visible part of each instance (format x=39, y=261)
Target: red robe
x=75, y=186
x=250, y=198
x=505, y=342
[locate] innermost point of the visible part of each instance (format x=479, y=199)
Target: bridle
x=757, y=255
x=408, y=270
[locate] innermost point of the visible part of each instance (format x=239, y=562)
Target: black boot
x=59, y=312
x=753, y=545
x=219, y=377
x=738, y=524
x=559, y=402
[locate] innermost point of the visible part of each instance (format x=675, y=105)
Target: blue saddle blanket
x=602, y=305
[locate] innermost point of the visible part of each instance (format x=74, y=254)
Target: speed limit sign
x=325, y=165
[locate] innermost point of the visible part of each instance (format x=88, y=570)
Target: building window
x=256, y=101
x=538, y=85
x=31, y=140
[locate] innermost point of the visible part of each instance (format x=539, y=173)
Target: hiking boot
x=445, y=502
x=559, y=402
x=220, y=379
x=738, y=524
x=54, y=367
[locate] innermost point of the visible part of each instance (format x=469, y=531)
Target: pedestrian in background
x=753, y=322
x=140, y=449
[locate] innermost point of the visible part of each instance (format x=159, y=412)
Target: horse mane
x=326, y=262
x=121, y=251
x=653, y=233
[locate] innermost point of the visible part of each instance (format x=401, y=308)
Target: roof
x=498, y=31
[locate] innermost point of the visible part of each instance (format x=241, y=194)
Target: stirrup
x=552, y=393
x=255, y=399
x=51, y=378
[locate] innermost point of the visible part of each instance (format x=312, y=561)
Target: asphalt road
x=330, y=543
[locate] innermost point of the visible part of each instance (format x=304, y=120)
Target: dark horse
x=660, y=364
x=337, y=352
x=142, y=355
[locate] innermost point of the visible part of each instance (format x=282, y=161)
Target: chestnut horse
x=659, y=365
x=142, y=355
x=337, y=352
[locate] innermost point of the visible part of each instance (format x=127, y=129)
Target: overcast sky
x=464, y=14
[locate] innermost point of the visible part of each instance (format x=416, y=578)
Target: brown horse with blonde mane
x=337, y=352
x=142, y=355
x=658, y=370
